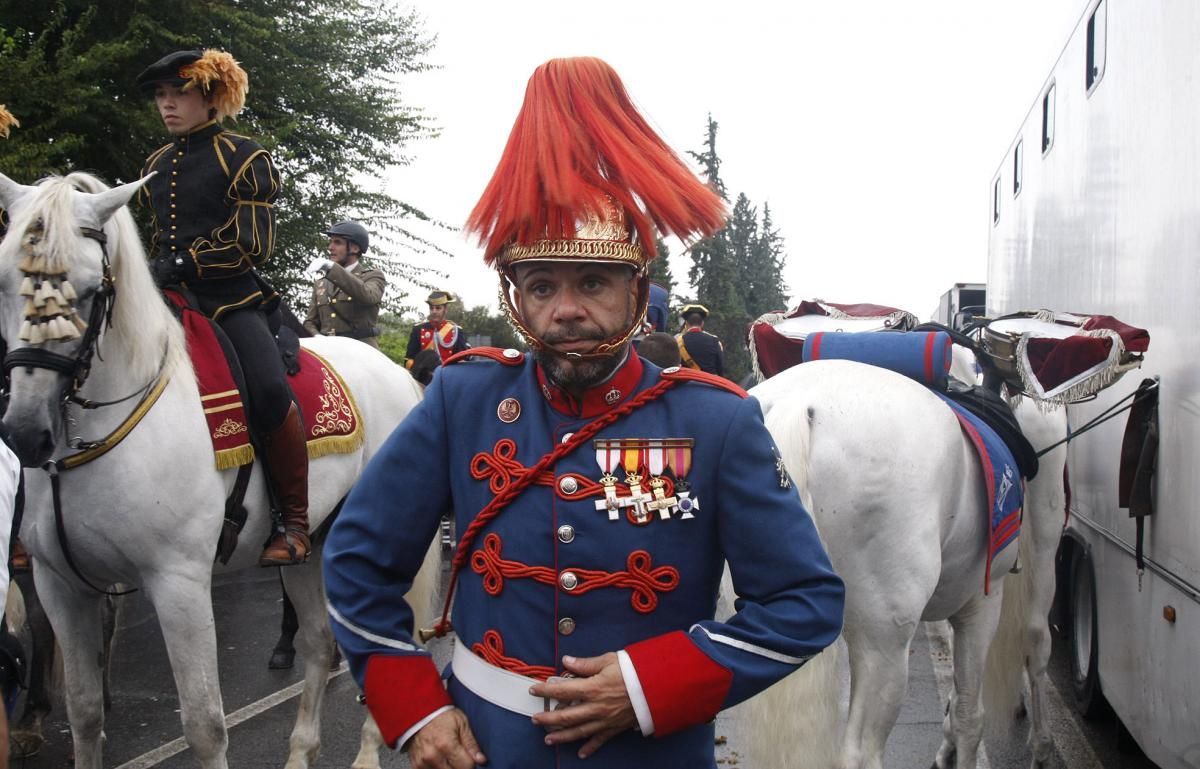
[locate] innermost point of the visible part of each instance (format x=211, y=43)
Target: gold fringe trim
x=228, y=459
x=336, y=444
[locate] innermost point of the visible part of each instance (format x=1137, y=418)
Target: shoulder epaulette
x=509, y=357
x=692, y=375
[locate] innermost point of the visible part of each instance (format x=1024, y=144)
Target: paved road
x=143, y=727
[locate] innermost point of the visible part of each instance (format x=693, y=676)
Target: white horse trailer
x=1096, y=209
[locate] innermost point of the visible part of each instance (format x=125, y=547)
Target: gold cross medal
x=656, y=462
x=607, y=458
x=632, y=459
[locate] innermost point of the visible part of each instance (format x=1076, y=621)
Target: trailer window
x=996, y=201
x=1018, y=155
x=1048, y=120
x=1096, y=38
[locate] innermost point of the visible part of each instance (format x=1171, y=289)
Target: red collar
x=694, y=328
x=599, y=399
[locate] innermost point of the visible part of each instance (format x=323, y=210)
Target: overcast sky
x=873, y=128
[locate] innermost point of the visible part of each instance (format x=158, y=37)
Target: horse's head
x=56, y=290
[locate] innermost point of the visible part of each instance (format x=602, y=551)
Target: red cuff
x=401, y=690
x=683, y=686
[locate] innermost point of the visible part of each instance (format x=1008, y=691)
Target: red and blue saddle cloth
x=330, y=415
x=925, y=357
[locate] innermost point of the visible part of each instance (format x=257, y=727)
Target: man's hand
x=320, y=265
x=171, y=271
x=598, y=705
x=445, y=742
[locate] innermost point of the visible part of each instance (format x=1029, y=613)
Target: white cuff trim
x=633, y=685
x=751, y=648
x=404, y=738
x=390, y=643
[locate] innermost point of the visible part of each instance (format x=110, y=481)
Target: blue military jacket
x=557, y=573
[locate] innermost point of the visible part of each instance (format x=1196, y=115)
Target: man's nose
x=568, y=308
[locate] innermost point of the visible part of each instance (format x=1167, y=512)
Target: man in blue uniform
x=597, y=496
x=214, y=223
x=699, y=349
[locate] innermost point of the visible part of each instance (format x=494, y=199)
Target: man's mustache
x=572, y=333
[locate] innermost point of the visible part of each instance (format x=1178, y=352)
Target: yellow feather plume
x=7, y=121
x=220, y=75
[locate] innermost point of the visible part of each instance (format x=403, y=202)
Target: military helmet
x=352, y=231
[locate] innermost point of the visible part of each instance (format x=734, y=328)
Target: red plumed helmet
x=584, y=176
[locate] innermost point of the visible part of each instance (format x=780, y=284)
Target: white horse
x=148, y=512
x=896, y=491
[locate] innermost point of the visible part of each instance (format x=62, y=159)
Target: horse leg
x=315, y=644
x=369, y=744
x=973, y=627
x=76, y=622
x=110, y=620
x=1044, y=503
x=183, y=602
x=878, y=643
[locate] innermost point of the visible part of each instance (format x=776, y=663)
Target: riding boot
x=287, y=460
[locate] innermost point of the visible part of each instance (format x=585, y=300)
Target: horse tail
x=422, y=596
x=794, y=724
x=1004, y=670
x=14, y=608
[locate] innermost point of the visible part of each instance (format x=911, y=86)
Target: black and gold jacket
x=212, y=201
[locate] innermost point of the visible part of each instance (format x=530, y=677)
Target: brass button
x=566, y=437
x=511, y=354
x=566, y=626
x=333, y=314
x=172, y=215
x=172, y=226
x=566, y=534
x=568, y=580
x=568, y=485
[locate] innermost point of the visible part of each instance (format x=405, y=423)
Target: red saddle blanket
x=330, y=414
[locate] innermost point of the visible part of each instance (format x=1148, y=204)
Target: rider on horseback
x=213, y=225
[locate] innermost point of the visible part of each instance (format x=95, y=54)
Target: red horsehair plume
x=218, y=73
x=577, y=143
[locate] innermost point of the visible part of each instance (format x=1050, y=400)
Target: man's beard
x=576, y=375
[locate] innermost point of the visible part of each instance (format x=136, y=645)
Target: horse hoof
x=25, y=744
x=282, y=659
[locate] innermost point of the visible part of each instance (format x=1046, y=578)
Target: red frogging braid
x=502, y=500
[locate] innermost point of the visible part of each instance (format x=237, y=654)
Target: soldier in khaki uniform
x=347, y=295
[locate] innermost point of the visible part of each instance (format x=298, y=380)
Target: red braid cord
x=513, y=490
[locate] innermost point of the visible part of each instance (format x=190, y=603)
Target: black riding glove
x=171, y=270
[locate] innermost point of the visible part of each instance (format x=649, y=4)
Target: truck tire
x=1084, y=640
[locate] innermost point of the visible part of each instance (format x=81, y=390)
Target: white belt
x=498, y=686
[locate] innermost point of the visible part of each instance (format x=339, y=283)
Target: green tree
x=325, y=99
x=766, y=290
x=480, y=321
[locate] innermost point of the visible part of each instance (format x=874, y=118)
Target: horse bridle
x=76, y=367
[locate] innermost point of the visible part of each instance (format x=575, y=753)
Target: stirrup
x=292, y=559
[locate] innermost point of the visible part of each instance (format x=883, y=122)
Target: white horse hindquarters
x=893, y=481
